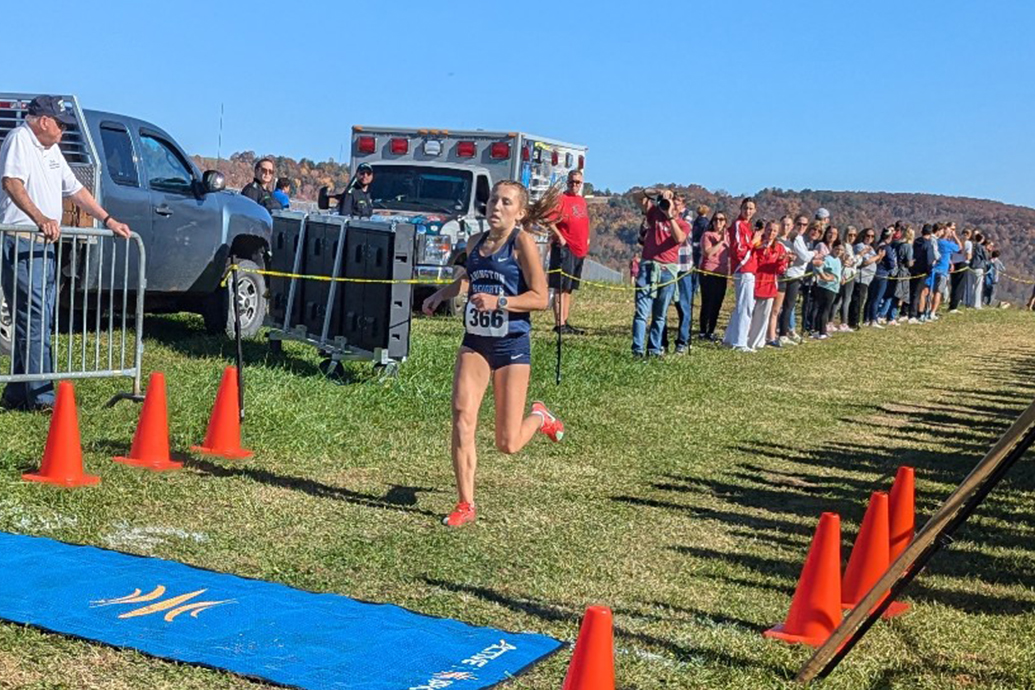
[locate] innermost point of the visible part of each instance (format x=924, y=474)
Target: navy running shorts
x=501, y=352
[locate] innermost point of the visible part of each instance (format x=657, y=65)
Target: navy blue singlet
x=499, y=274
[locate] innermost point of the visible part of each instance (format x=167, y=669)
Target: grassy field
x=684, y=497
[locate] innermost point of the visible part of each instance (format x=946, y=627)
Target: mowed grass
x=684, y=497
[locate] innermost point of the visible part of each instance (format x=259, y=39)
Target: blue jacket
x=886, y=266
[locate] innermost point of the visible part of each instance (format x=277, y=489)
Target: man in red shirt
x=569, y=246
x=665, y=231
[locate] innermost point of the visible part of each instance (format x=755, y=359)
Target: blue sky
x=873, y=96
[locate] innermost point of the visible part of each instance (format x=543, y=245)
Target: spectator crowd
x=796, y=278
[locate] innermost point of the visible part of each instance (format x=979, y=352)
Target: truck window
x=165, y=169
x=118, y=155
x=421, y=188
x=481, y=195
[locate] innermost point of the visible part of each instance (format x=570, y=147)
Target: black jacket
x=257, y=193
x=357, y=203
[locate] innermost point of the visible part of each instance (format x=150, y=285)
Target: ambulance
x=440, y=180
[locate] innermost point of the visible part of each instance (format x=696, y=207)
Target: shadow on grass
x=187, y=336
x=967, y=601
x=398, y=497
x=955, y=429
x=561, y=614
x=402, y=498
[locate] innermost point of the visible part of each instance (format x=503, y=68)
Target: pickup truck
x=440, y=180
x=190, y=226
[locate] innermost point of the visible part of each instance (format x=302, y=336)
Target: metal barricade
x=344, y=286
x=77, y=293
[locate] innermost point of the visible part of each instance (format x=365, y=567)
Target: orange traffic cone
x=816, y=607
x=593, y=663
x=869, y=559
x=902, y=512
x=63, y=457
x=151, y=440
x=223, y=437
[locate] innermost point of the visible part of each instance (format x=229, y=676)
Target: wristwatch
x=502, y=302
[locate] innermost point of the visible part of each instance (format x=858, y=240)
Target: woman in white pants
x=742, y=243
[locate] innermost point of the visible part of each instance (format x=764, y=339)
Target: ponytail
x=540, y=211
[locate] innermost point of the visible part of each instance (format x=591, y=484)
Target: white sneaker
x=913, y=320
x=881, y=321
x=893, y=322
x=876, y=324
x=784, y=340
x=954, y=311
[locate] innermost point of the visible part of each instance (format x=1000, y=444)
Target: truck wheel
x=6, y=327
x=251, y=296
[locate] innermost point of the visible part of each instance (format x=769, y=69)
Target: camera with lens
x=664, y=205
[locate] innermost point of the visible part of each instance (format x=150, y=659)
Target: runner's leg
x=470, y=379
x=514, y=429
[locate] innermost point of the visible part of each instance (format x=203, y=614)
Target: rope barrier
x=591, y=283
x=330, y=279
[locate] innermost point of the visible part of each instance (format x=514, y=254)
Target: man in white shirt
x=34, y=177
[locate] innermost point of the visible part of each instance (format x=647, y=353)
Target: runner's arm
x=448, y=292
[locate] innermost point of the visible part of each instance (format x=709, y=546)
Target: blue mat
x=250, y=627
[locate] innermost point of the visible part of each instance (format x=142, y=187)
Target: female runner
x=504, y=280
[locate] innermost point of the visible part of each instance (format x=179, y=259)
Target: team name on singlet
x=494, y=278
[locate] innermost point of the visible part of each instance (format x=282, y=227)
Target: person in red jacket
x=742, y=244
x=569, y=246
x=772, y=260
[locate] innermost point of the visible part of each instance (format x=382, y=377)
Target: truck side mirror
x=213, y=181
x=323, y=200
x=481, y=207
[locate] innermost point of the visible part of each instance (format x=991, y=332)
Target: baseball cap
x=52, y=106
x=364, y=167
x=822, y=214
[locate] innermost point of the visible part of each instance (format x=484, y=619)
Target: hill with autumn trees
x=617, y=221
x=616, y=217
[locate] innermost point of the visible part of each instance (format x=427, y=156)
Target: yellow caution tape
x=582, y=281
x=331, y=279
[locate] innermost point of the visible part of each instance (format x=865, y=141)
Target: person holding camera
x=772, y=262
x=663, y=232
x=742, y=244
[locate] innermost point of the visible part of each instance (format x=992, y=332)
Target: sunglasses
x=574, y=181
x=60, y=125
x=365, y=172
x=266, y=171
x=720, y=219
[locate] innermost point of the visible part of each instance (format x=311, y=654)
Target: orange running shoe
x=552, y=427
x=461, y=515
